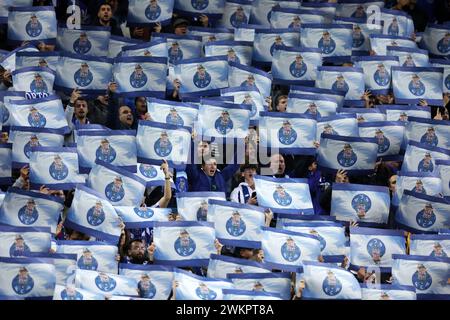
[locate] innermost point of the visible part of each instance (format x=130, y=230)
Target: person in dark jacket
x=105, y=19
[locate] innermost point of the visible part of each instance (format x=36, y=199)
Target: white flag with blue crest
x=316, y=106
x=409, y=57
x=433, y=133
x=193, y=287
x=37, y=59
x=154, y=282
x=380, y=42
x=212, y=34
x=287, y=250
x=91, y=213
x=396, y=23
x=89, y=40
x=172, y=112
x=236, y=51
x=152, y=175
x=433, y=245
x=349, y=80
x=65, y=266
x=233, y=294
x=362, y=29
x=337, y=95
x=343, y=125
x=388, y=292
x=436, y=39
x=116, y=44
x=357, y=8
x=69, y=292
x=6, y=164
x=274, y=282
x=262, y=10
x=120, y=186
x=21, y=241
x=444, y=172
x=246, y=95
x=8, y=61
x=441, y=63
x=142, y=13
x=38, y=80
x=421, y=182
x=213, y=9
x=422, y=158
x=401, y=112
x=180, y=47
x=183, y=243
x=220, y=266
x=326, y=9
x=245, y=32
x=281, y=17
x=304, y=216
x=283, y=195
x=106, y=283
x=236, y=13
x=364, y=114
x=369, y=205
x=267, y=41
x=117, y=147
x=22, y=208
x=155, y=48
x=142, y=217
x=377, y=72
x=193, y=206
x=8, y=3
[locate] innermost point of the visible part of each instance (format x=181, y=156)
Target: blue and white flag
x=444, y=171
x=274, y=282
x=236, y=224
x=362, y=29
x=357, y=8
x=241, y=75
x=37, y=59
x=334, y=40
x=180, y=47
x=152, y=175
x=287, y=250
x=6, y=164
x=183, y=244
x=396, y=23
x=205, y=76
x=389, y=135
x=212, y=34
x=142, y=13
x=369, y=205
x=363, y=114
x=342, y=125
x=69, y=292
x=435, y=245
x=8, y=61
x=377, y=72
x=236, y=51
x=370, y=247
x=117, y=147
x=193, y=287
x=436, y=39
x=142, y=217
x=246, y=95
x=420, y=213
x=181, y=182
x=56, y=168
x=91, y=255
x=155, y=48
x=316, y=106
x=92, y=214
x=212, y=9
x=429, y=275
x=387, y=292
x=90, y=40
x=90, y=75
x=9, y=3
x=140, y=75
x=295, y=65
x=37, y=80
x=157, y=141
x=441, y=63
x=27, y=277
x=327, y=281
x=193, y=206
x=267, y=41
x=409, y=57
x=33, y=24
x=349, y=80
x=401, y=113
x=21, y=241
x=120, y=186
x=106, y=284
x=421, y=182
x=337, y=95
x=245, y=32
x=22, y=208
x=433, y=133
x=328, y=10
x=420, y=157
x=221, y=266
x=380, y=42
x=116, y=44
x=290, y=133
x=154, y=282
x=283, y=195
x=86, y=127
x=262, y=10
x=306, y=216
x=232, y=294
x=236, y=13
x=411, y=84
x=65, y=266
x=294, y=18
x=331, y=235
x=353, y=154
x=225, y=120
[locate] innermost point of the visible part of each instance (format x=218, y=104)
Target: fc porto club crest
x=419, y=187
x=416, y=87
x=114, y=191
x=438, y=251
x=409, y=61
x=82, y=45
x=138, y=78
x=376, y=249
x=175, y=52
x=87, y=261
x=33, y=27
x=105, y=152
x=58, y=170
x=105, y=282
x=281, y=196
x=382, y=140
x=224, y=124
x=290, y=251
x=358, y=37
x=34, y=142
x=181, y=184
x=393, y=29
x=443, y=45
x=95, y=215
x=249, y=82
x=238, y=18
x=328, y=129
x=5, y=115
x=235, y=224
x=426, y=217
x=447, y=83
x=163, y=146
x=38, y=84
x=359, y=12
x=426, y=164
x=286, y=134
x=361, y=203
x=22, y=283
x=340, y=84
x=184, y=245
x=326, y=43
x=70, y=293
x=296, y=22
x=430, y=138
x=199, y=4
x=19, y=248
x=331, y=285
x=381, y=76
x=28, y=214
x=146, y=288
x=36, y=119
x=83, y=76
x=144, y=212
x=312, y=110
x=174, y=118
x=278, y=44
x=204, y=293
x=421, y=279
x=298, y=68
x=153, y=10
x=347, y=157
x=148, y=170
x=202, y=211
x=201, y=78
x=232, y=57
x=249, y=100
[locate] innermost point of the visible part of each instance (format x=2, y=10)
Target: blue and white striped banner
x=363, y=114
x=21, y=241
x=387, y=292
x=172, y=112
x=142, y=217
x=343, y=125
x=236, y=51
x=316, y=106
x=221, y=266
x=377, y=72
x=69, y=292
x=37, y=59
x=422, y=158
x=212, y=34
x=37, y=80
x=142, y=13
x=241, y=75
x=193, y=206
x=396, y=23
x=433, y=245
x=421, y=182
x=433, y=133
x=380, y=42
x=349, y=80
x=401, y=112
x=338, y=96
x=93, y=41
x=180, y=47
x=362, y=30
x=274, y=282
x=409, y=57
x=213, y=9
x=193, y=287
x=436, y=39
x=232, y=294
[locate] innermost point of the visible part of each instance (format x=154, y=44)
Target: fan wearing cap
x=245, y=191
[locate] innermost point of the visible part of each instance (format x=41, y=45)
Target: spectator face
x=282, y=104
x=210, y=167
x=277, y=164
x=393, y=183
x=246, y=253
x=141, y=105
x=125, y=116
x=180, y=29
x=105, y=13
x=137, y=250
x=248, y=174
x=81, y=109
